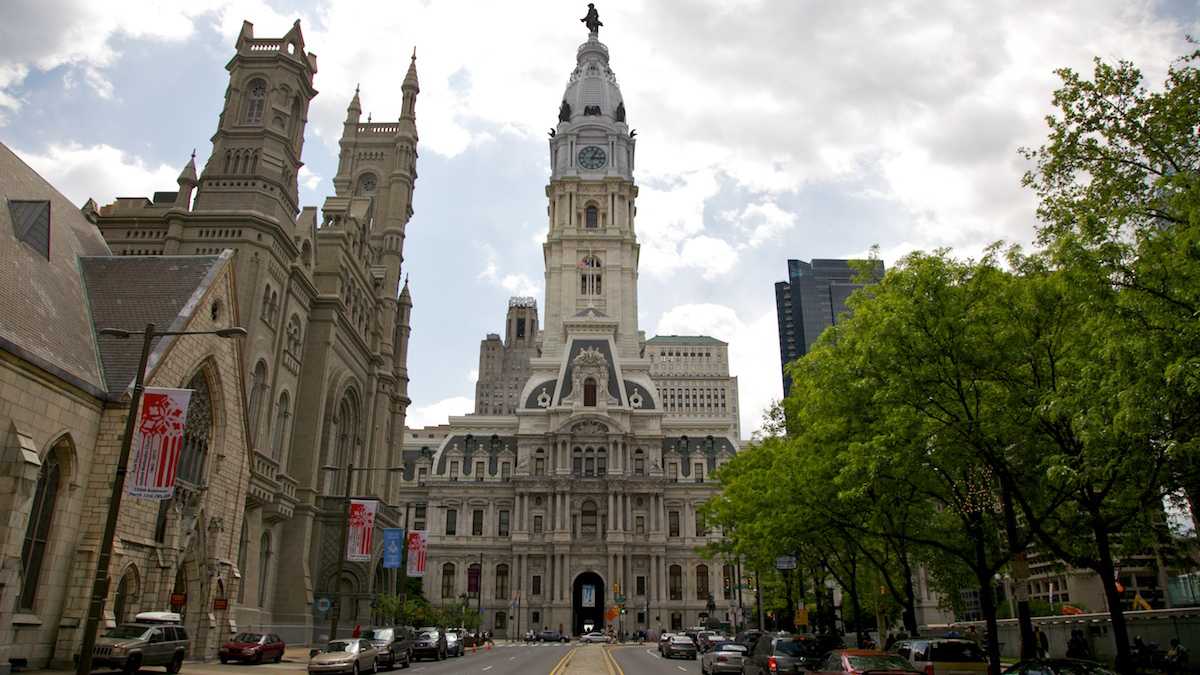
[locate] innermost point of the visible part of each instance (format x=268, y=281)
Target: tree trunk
x=1116, y=613
x=987, y=600
x=909, y=601
x=1020, y=575
x=856, y=603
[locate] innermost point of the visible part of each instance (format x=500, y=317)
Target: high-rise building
x=504, y=365
x=810, y=301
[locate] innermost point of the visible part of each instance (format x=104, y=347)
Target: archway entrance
x=587, y=603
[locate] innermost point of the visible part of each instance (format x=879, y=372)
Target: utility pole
x=758, y=600
x=336, y=614
x=741, y=609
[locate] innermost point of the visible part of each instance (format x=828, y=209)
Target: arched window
x=448, y=580
x=639, y=462
x=701, y=582
x=588, y=519
x=675, y=582
x=258, y=387
x=256, y=101
x=539, y=463
x=589, y=392
x=265, y=310
x=126, y=597
x=474, y=579
x=282, y=414
x=196, y=434
x=37, y=532
x=243, y=544
x=264, y=568
x=502, y=582
x=589, y=278
x=591, y=217
x=347, y=590
x=727, y=575
x=346, y=430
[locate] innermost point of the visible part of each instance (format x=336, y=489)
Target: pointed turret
x=187, y=182
x=354, y=110
x=405, y=295
x=410, y=88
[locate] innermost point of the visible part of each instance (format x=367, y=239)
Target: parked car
x=723, y=657
x=776, y=653
x=663, y=640
x=679, y=646
x=455, y=642
x=394, y=644
x=552, y=636
x=252, y=648
x=596, y=637
x=1058, y=667
x=943, y=656
x=748, y=637
x=430, y=643
x=861, y=661
x=702, y=639
x=131, y=646
x=351, y=655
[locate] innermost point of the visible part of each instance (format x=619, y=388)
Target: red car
x=253, y=648
x=859, y=661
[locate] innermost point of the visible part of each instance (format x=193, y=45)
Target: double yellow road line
x=614, y=668
x=565, y=661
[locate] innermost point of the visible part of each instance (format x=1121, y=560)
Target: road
x=644, y=660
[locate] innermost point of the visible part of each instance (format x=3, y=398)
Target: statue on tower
x=592, y=20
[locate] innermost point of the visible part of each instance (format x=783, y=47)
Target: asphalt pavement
x=644, y=660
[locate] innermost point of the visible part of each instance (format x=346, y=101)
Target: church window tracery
x=196, y=434
x=256, y=101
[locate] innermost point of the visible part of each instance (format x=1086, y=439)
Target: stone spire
x=354, y=110
x=410, y=88
x=187, y=182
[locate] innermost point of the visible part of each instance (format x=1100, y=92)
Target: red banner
x=157, y=443
x=362, y=527
x=473, y=579
x=417, y=548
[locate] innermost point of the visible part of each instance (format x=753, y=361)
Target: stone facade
x=328, y=316
x=63, y=406
x=586, y=494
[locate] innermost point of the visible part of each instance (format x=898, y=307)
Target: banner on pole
x=157, y=443
x=416, y=553
x=362, y=527
x=588, y=596
x=393, y=545
x=473, y=573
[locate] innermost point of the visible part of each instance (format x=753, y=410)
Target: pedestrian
x=972, y=634
x=357, y=631
x=1041, y=642
x=1177, y=657
x=889, y=642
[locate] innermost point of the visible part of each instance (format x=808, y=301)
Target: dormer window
x=589, y=392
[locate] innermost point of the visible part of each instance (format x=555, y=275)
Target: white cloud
x=760, y=222
x=514, y=283
x=472, y=375
x=307, y=178
x=753, y=352
x=101, y=172
x=437, y=413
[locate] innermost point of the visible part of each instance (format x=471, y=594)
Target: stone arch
x=257, y=400
x=254, y=109
x=41, y=537
x=343, y=433
x=127, y=598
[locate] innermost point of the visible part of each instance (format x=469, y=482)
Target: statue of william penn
x=592, y=20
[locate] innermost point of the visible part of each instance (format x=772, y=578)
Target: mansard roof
x=686, y=340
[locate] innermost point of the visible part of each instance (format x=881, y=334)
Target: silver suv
x=131, y=646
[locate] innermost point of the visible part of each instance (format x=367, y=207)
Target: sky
x=767, y=130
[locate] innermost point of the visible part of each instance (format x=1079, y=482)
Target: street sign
x=620, y=599
x=785, y=562
x=323, y=604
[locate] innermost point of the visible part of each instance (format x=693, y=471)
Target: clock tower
x=591, y=252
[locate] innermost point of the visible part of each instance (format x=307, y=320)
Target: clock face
x=592, y=157
x=366, y=184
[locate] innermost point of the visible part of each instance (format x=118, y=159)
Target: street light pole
x=336, y=614
x=100, y=583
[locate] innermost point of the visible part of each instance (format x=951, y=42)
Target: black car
x=784, y=654
x=395, y=645
x=430, y=643
x=552, y=636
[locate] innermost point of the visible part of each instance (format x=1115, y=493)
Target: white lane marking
x=512, y=658
x=651, y=652
x=682, y=668
x=488, y=668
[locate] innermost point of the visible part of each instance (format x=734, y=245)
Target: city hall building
x=576, y=483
